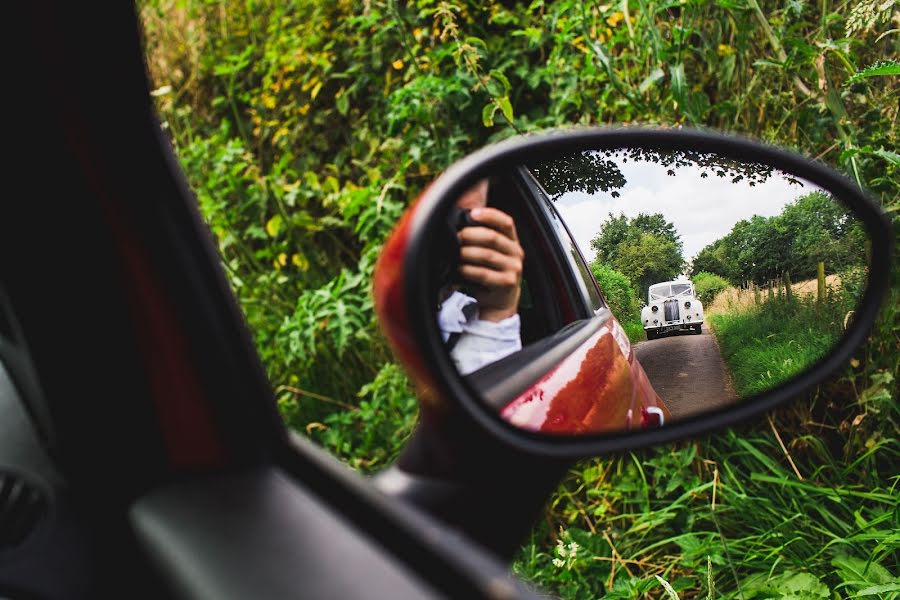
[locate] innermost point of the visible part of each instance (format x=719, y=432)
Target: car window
x=658, y=292
x=586, y=281
x=681, y=289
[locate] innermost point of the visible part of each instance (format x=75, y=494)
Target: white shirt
x=480, y=342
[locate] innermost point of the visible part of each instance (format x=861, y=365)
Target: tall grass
x=768, y=344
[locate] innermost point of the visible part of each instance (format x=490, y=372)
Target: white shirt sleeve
x=480, y=342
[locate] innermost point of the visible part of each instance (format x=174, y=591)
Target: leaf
x=670, y=591
x=880, y=68
x=858, y=571
x=495, y=74
x=651, y=80
x=787, y=586
x=891, y=157
x=342, y=103
x=679, y=83
x=879, y=589
x=273, y=225
x=300, y=261
x=487, y=114
x=506, y=107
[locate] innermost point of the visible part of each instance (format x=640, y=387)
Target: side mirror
x=790, y=258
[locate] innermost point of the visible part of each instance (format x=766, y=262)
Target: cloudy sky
x=702, y=210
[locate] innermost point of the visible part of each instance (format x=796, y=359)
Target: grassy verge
x=767, y=344
x=635, y=331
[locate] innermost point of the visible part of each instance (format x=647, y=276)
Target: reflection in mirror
x=720, y=279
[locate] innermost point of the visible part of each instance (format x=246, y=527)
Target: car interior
x=552, y=306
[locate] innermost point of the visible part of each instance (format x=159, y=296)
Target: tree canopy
x=813, y=228
x=646, y=249
x=592, y=171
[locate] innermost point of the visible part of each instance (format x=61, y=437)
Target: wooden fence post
x=788, y=292
x=821, y=277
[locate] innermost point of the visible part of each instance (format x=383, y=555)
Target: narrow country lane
x=687, y=371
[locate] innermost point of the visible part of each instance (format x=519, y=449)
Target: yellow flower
x=300, y=261
x=268, y=101
x=615, y=18
x=283, y=131
x=397, y=64
x=725, y=50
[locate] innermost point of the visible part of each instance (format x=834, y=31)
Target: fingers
x=489, y=278
x=486, y=257
x=497, y=220
x=491, y=239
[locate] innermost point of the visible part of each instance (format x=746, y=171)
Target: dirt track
x=687, y=372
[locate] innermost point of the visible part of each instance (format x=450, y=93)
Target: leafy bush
x=619, y=292
x=305, y=128
x=622, y=299
x=708, y=286
x=370, y=435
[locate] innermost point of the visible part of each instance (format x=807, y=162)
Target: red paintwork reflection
x=600, y=387
x=390, y=303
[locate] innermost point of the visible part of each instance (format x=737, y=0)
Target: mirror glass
x=619, y=289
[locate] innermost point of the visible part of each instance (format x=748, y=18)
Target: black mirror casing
x=428, y=217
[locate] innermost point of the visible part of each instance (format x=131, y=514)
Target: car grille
x=671, y=310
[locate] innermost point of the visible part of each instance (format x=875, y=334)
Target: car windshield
x=668, y=290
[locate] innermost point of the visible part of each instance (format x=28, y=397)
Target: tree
x=592, y=171
x=810, y=229
x=646, y=249
x=586, y=172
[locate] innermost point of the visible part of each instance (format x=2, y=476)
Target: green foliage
x=646, y=249
x=369, y=436
x=708, y=285
x=769, y=344
x=622, y=299
x=810, y=229
x=618, y=291
x=305, y=128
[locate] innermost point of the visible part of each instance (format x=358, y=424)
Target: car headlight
x=687, y=304
x=655, y=308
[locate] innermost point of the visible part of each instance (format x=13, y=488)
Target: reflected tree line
x=812, y=229
x=646, y=249
x=593, y=171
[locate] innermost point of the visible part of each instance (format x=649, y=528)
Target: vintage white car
x=672, y=306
